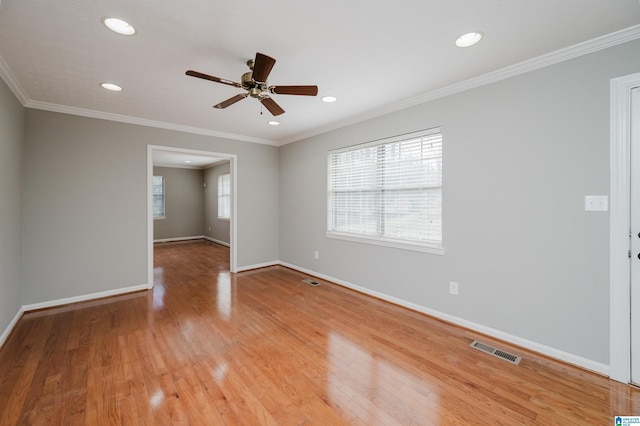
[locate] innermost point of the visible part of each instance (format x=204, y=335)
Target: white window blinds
x=224, y=196
x=158, y=197
x=388, y=190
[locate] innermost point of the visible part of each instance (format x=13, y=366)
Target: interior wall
x=85, y=201
x=12, y=125
x=215, y=228
x=184, y=203
x=520, y=155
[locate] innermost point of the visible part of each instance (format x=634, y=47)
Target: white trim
x=168, y=240
x=405, y=245
x=83, y=112
x=580, y=49
x=619, y=266
x=558, y=354
x=12, y=82
x=84, y=297
x=213, y=240
x=233, y=170
x=11, y=326
x=561, y=55
x=258, y=266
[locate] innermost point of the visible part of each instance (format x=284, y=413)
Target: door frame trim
x=619, y=262
x=233, y=170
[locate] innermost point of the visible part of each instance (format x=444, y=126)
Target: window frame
x=222, y=196
x=427, y=246
x=164, y=198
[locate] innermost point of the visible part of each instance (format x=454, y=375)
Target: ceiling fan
x=255, y=83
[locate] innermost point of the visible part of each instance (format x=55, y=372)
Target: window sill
x=433, y=249
x=224, y=219
x=159, y=217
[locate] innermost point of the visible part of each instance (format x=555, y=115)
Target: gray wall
x=184, y=203
x=218, y=229
x=12, y=124
x=85, y=202
x=519, y=157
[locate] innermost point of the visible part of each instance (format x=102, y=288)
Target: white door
x=635, y=235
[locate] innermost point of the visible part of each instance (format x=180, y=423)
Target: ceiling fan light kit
x=255, y=83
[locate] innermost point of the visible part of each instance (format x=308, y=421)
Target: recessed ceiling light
x=111, y=86
x=274, y=123
x=187, y=161
x=119, y=26
x=329, y=99
x=468, y=39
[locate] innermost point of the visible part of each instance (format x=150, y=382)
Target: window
x=388, y=192
x=158, y=197
x=224, y=196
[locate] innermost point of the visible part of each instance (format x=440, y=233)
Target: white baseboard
x=213, y=240
x=11, y=326
x=169, y=240
x=83, y=298
x=519, y=341
x=259, y=265
x=52, y=303
x=551, y=352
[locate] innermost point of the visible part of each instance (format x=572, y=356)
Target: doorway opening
x=173, y=152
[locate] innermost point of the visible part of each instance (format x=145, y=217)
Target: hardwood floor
x=264, y=348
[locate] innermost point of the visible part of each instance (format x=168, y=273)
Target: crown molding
x=12, y=82
x=565, y=54
x=143, y=122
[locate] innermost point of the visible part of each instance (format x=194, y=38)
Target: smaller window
x=224, y=196
x=158, y=197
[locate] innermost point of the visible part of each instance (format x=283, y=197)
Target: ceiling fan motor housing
x=254, y=87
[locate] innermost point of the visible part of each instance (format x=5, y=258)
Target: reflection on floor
x=262, y=347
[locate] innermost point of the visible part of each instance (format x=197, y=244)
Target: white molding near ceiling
x=142, y=122
x=584, y=48
x=565, y=54
x=619, y=261
x=12, y=82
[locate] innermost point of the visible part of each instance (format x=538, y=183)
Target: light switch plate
x=596, y=203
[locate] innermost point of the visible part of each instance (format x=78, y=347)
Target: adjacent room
x=320, y=213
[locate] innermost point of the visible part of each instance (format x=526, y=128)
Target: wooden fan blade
x=294, y=90
x=212, y=78
x=231, y=101
x=262, y=67
x=272, y=106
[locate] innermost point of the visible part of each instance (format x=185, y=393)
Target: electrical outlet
x=316, y=254
x=209, y=229
x=453, y=288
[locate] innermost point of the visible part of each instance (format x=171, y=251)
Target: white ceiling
x=373, y=55
x=168, y=158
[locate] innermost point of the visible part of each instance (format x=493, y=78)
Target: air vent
x=311, y=282
x=498, y=353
